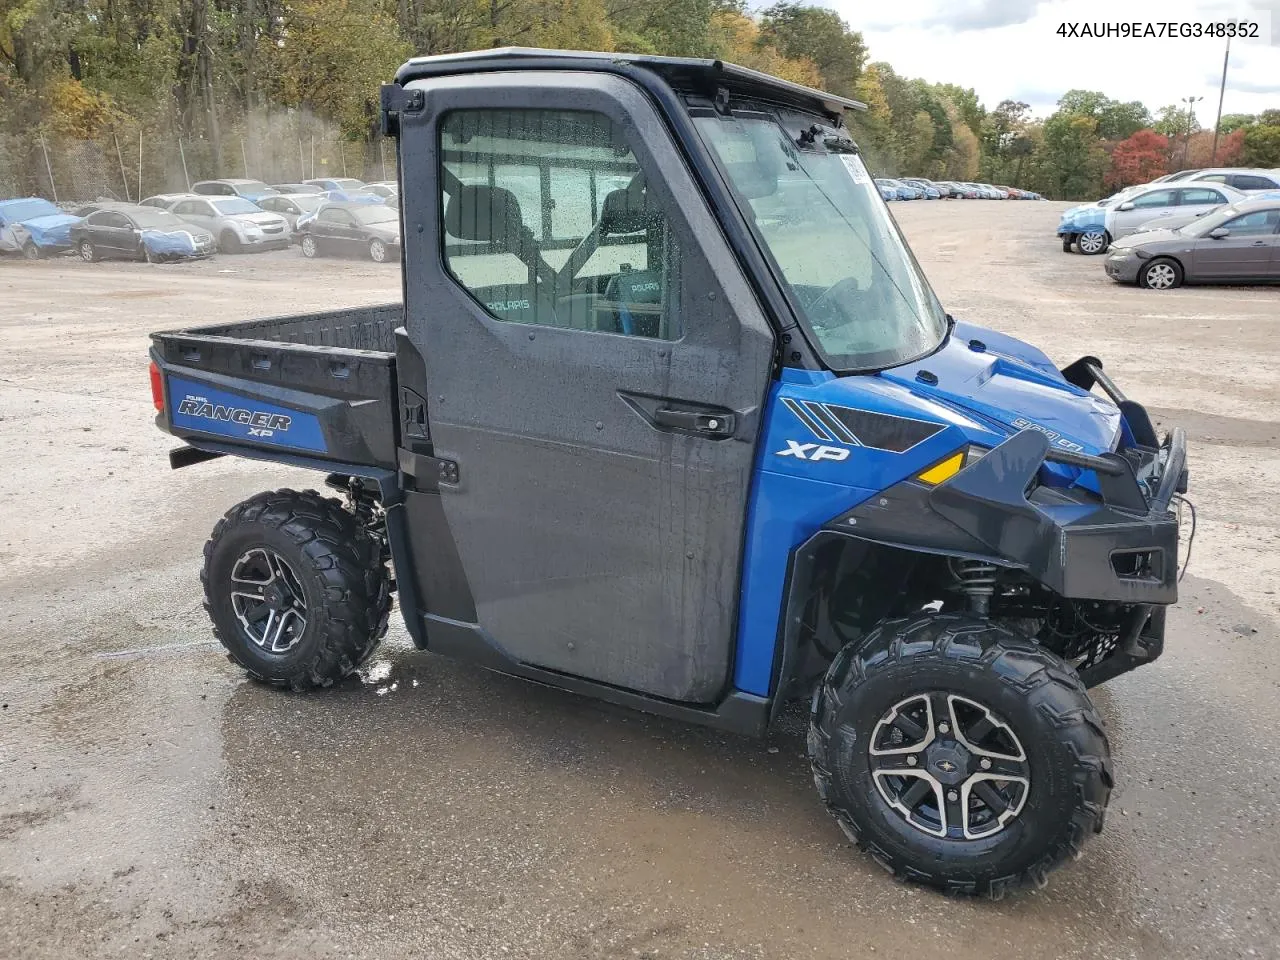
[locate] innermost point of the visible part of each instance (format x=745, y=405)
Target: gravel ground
x=155, y=804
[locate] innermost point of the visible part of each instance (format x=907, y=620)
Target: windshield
x=309, y=202
x=347, y=183
x=374, y=214
x=851, y=278
x=232, y=205
x=20, y=210
x=1208, y=221
x=255, y=188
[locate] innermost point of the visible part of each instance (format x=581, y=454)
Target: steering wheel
x=831, y=307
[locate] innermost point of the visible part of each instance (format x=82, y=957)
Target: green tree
x=1261, y=146
x=1234, y=121
x=1074, y=159
x=818, y=35
x=966, y=103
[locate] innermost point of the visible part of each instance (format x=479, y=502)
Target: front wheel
x=959, y=754
x=87, y=253
x=229, y=242
x=1067, y=241
x=309, y=249
x=1160, y=274
x=377, y=251
x=30, y=251
x=1093, y=242
x=296, y=587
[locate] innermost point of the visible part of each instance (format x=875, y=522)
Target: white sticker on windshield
x=853, y=163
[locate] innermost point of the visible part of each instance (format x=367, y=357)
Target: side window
x=1157, y=198
x=115, y=220
x=547, y=221
x=1202, y=195
x=1249, y=181
x=1257, y=224
x=330, y=215
x=1214, y=178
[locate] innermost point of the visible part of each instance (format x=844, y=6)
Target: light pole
x=1217, y=124
x=1191, y=119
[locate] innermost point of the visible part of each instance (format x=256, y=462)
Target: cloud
x=984, y=14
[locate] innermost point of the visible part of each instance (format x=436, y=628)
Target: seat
x=492, y=215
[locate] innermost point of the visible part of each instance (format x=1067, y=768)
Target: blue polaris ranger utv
x=671, y=417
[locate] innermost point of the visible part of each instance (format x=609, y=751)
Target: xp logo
x=813, y=451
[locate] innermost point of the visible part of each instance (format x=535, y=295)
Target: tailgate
x=280, y=386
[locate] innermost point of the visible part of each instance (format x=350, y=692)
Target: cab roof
x=682, y=73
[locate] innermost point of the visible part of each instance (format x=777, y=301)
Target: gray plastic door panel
x=599, y=537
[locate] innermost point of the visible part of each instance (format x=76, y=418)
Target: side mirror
x=1127, y=205
x=1217, y=233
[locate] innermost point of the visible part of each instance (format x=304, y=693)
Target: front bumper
x=1123, y=267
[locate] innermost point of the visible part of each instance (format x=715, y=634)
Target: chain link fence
x=130, y=165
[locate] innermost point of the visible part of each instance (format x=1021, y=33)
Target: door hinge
x=396, y=100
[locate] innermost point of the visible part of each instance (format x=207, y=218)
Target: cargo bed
x=319, y=385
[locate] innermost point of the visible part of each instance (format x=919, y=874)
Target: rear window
x=27, y=210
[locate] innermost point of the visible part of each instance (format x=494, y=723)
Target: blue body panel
x=985, y=392
x=198, y=406
x=170, y=243
x=1083, y=220
x=39, y=221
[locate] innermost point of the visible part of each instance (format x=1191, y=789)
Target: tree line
x=201, y=70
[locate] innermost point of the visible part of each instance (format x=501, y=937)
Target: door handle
x=1259, y=243
x=707, y=424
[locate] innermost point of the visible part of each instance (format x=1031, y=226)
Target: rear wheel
x=87, y=253
x=30, y=251
x=309, y=246
x=229, y=242
x=296, y=587
x=1161, y=274
x=377, y=251
x=1093, y=242
x=959, y=754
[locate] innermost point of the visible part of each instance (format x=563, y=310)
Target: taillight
x=157, y=387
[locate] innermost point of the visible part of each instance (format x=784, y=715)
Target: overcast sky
x=1009, y=49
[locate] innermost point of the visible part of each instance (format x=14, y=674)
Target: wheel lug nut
x=952, y=795
x=986, y=764
x=911, y=761
x=944, y=728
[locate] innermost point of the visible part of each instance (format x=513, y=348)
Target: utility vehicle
x=671, y=417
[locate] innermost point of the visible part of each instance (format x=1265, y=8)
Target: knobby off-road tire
x=961, y=660
x=328, y=566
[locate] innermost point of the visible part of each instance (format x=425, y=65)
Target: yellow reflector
x=947, y=469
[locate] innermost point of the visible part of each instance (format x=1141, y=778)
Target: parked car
x=353, y=228
x=927, y=188
x=904, y=190
x=35, y=227
x=992, y=192
x=1092, y=229
x=1234, y=243
x=249, y=189
x=237, y=223
x=1179, y=175
x=293, y=206
x=1243, y=179
x=338, y=184
x=166, y=200
x=130, y=231
x=389, y=191
x=296, y=188
x=888, y=191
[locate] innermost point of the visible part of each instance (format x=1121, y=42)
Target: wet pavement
x=153, y=803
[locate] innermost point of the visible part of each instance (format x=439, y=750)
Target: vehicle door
x=1197, y=200
x=332, y=230
x=199, y=212
x=113, y=235
x=1130, y=213
x=589, y=509
x=1242, y=248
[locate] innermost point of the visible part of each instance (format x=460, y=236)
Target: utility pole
x=1217, y=124
x=1191, y=119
